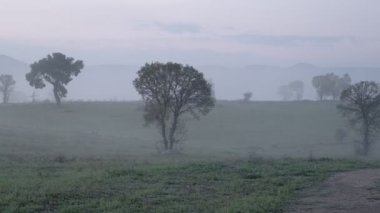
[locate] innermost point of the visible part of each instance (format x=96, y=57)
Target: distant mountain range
x=114, y=81
x=18, y=69
x=11, y=64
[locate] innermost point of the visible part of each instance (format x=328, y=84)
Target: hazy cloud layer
x=180, y=28
x=288, y=40
x=339, y=32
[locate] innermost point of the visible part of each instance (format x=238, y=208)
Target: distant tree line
x=6, y=86
x=330, y=85
x=293, y=90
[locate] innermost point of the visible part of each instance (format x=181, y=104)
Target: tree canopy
x=169, y=91
x=293, y=89
x=56, y=69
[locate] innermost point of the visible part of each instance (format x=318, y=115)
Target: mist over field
x=189, y=106
x=113, y=82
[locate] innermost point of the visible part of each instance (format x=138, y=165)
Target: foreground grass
x=239, y=186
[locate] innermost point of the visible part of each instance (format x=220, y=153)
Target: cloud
x=287, y=40
x=179, y=28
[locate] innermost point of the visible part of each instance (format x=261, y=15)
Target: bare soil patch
x=355, y=191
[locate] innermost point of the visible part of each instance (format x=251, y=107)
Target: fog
x=113, y=82
x=171, y=143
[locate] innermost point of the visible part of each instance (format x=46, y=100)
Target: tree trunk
x=172, y=131
x=320, y=97
x=4, y=98
x=163, y=133
x=56, y=96
x=366, y=141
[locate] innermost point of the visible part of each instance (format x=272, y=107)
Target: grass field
x=238, y=186
x=99, y=157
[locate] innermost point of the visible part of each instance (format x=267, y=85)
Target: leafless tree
x=360, y=104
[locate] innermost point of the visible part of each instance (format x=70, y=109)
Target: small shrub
x=60, y=158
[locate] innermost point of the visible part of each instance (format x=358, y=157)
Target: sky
x=199, y=32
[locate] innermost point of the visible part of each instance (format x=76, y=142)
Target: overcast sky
x=204, y=32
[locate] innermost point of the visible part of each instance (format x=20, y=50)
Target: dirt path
x=356, y=191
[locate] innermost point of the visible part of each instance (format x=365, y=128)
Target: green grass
x=238, y=186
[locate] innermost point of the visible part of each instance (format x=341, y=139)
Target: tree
x=297, y=87
x=169, y=91
x=247, y=97
x=285, y=92
x=340, y=85
x=34, y=97
x=360, y=104
x=325, y=85
x=56, y=69
x=6, y=86
x=330, y=85
x=318, y=85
